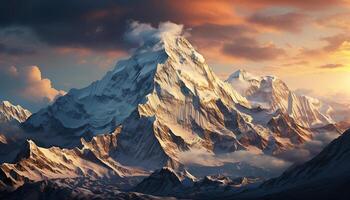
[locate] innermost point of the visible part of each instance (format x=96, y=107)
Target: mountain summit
x=161, y=107
x=270, y=92
x=161, y=102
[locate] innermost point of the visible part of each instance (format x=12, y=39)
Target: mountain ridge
x=161, y=102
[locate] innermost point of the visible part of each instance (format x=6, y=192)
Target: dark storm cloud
x=4, y=49
x=291, y=22
x=101, y=24
x=249, y=48
x=217, y=32
x=79, y=23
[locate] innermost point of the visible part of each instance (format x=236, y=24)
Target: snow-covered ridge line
x=271, y=93
x=163, y=101
x=9, y=112
x=93, y=161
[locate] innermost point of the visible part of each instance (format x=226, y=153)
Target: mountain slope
x=273, y=94
x=92, y=161
x=9, y=113
x=165, y=93
x=162, y=101
x=77, y=188
x=10, y=133
x=326, y=176
x=333, y=162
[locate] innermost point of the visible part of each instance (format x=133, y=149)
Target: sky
x=49, y=47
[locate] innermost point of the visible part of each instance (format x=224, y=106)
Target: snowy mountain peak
x=6, y=103
x=271, y=93
x=28, y=150
x=10, y=112
x=162, y=101
x=242, y=75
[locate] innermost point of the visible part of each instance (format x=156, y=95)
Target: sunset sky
x=49, y=47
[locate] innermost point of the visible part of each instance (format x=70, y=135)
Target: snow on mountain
x=170, y=68
x=9, y=113
x=271, y=93
x=10, y=133
x=165, y=100
x=35, y=163
x=153, y=111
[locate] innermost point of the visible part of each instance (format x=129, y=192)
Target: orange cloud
x=291, y=22
x=196, y=12
x=339, y=20
x=31, y=85
x=38, y=88
x=78, y=51
x=306, y=4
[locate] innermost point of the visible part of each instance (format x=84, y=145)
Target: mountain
x=333, y=162
x=10, y=133
x=165, y=100
x=10, y=113
x=166, y=84
x=162, y=108
x=73, y=188
x=326, y=176
x=166, y=182
x=272, y=93
x=34, y=163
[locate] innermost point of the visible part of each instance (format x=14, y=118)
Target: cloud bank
x=28, y=83
x=259, y=160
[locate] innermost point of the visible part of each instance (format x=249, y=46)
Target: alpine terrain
x=162, y=122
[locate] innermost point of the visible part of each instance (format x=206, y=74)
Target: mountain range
x=162, y=119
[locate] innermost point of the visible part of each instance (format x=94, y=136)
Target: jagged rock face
x=166, y=182
x=35, y=163
x=273, y=94
x=9, y=113
x=162, y=182
x=73, y=188
x=172, y=84
x=160, y=102
x=166, y=99
x=10, y=133
x=285, y=127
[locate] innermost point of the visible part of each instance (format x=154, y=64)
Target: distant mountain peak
x=271, y=93
x=10, y=112
x=243, y=75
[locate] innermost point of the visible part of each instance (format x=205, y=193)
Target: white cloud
x=141, y=33
x=309, y=149
x=259, y=160
x=28, y=83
